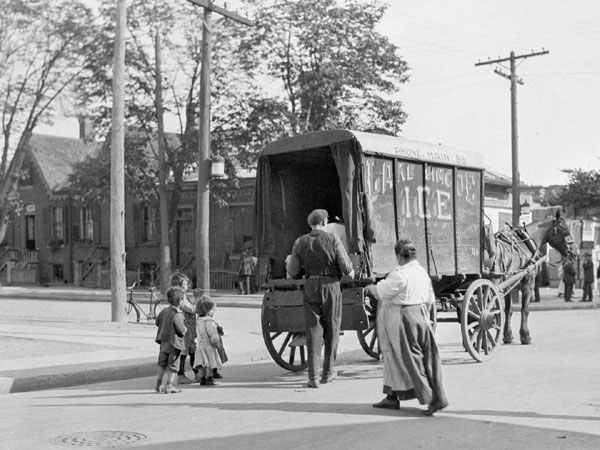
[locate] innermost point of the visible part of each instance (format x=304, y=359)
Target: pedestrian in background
x=246, y=272
x=188, y=307
x=320, y=257
x=210, y=345
x=569, y=278
x=588, y=278
x=561, y=285
x=170, y=334
x=411, y=363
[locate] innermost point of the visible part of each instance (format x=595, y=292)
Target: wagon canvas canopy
x=383, y=187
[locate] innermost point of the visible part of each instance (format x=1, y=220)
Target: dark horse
x=513, y=251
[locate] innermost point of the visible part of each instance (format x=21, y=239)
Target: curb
x=74, y=375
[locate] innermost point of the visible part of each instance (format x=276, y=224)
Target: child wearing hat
x=208, y=360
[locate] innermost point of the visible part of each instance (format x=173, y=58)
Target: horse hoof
x=525, y=341
x=507, y=341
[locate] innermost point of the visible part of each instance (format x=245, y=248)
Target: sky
x=452, y=102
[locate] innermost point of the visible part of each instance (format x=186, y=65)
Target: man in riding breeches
x=320, y=256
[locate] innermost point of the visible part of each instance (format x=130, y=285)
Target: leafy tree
x=582, y=190
x=334, y=70
x=549, y=196
x=42, y=45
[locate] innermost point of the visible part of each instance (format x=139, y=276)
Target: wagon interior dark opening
x=301, y=182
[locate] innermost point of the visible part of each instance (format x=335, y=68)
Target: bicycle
x=154, y=307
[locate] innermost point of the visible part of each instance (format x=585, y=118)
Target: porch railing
x=27, y=259
x=8, y=254
x=98, y=255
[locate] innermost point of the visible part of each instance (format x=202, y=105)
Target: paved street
x=543, y=396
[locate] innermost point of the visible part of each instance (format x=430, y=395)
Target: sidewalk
x=57, y=340
x=68, y=293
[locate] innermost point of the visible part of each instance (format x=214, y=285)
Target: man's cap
x=317, y=216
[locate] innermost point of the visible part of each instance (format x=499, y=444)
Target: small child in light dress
x=209, y=341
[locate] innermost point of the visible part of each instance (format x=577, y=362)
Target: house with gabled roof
x=39, y=243
x=55, y=239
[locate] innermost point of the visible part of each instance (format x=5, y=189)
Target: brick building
x=54, y=240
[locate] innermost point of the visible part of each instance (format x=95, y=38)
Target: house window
x=86, y=224
x=58, y=223
x=26, y=175
x=149, y=224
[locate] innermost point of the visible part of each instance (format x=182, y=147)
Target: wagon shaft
x=514, y=279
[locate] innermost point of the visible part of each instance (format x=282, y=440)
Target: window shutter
x=65, y=212
x=75, y=232
x=138, y=223
x=47, y=223
x=96, y=211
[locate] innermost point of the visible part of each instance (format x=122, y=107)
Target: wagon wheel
x=482, y=319
x=288, y=349
x=368, y=337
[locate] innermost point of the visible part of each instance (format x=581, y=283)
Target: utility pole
x=203, y=216
x=117, y=172
x=165, y=249
x=516, y=191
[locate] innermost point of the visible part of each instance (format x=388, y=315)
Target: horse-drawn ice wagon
x=384, y=188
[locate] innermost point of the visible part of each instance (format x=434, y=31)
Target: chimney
x=86, y=130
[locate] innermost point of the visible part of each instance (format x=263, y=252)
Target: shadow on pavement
x=424, y=432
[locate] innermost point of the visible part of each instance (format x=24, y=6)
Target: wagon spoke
x=473, y=315
x=475, y=306
x=368, y=330
x=276, y=335
x=486, y=298
x=373, y=341
x=492, y=339
x=484, y=341
x=481, y=299
x=302, y=355
x=478, y=346
x=471, y=326
x=292, y=355
x=285, y=343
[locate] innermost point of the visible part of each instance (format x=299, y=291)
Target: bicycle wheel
x=158, y=307
x=133, y=307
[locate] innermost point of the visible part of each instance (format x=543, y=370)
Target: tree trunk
x=117, y=179
x=10, y=183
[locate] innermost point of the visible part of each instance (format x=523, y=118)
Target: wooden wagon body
x=384, y=188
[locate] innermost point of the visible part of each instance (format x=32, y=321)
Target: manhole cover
x=101, y=439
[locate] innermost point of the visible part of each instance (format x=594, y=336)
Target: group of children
x=187, y=328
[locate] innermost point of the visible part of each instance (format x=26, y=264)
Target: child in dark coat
x=170, y=334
